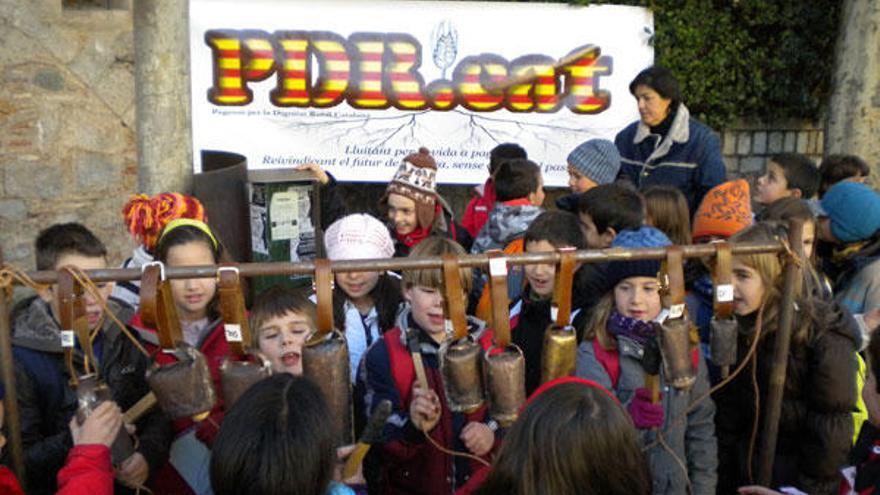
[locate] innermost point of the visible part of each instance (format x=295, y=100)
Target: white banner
x=356, y=86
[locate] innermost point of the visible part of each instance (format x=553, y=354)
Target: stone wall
x=67, y=119
x=746, y=146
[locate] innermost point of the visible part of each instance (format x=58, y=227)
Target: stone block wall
x=67, y=119
x=747, y=146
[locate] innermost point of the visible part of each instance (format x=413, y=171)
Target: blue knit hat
x=854, y=210
x=644, y=237
x=597, y=159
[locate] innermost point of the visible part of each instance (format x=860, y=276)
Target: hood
x=679, y=132
x=505, y=224
x=34, y=326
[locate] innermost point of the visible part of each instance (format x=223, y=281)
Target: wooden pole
x=10, y=402
x=770, y=430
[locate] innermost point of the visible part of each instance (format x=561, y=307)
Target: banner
x=356, y=86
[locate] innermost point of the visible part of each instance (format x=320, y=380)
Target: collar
x=517, y=202
x=679, y=131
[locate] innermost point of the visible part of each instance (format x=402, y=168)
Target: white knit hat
x=358, y=236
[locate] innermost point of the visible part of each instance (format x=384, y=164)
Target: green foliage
x=770, y=59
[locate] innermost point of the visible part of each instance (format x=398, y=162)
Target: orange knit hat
x=145, y=217
x=725, y=210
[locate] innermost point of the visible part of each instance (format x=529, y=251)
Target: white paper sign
x=233, y=332
x=355, y=86
x=67, y=339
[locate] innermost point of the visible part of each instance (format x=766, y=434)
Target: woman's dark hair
x=661, y=80
x=185, y=234
x=571, y=439
x=386, y=295
x=276, y=439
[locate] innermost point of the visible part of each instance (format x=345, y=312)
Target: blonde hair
x=596, y=328
x=433, y=277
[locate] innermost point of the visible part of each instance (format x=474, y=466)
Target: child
x=787, y=174
x=519, y=192
x=46, y=400
x=275, y=440
x=530, y=311
x=145, y=217
x=409, y=463
x=815, y=429
x=364, y=303
x=415, y=210
x=606, y=210
x=836, y=168
x=477, y=212
x=186, y=242
x=590, y=164
x=573, y=437
x=787, y=209
x=282, y=320
x=679, y=431
x=667, y=210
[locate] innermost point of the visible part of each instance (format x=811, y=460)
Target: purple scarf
x=636, y=330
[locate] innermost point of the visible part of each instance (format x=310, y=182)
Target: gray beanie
x=597, y=159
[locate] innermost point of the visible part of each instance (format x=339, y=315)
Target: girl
x=572, y=437
x=667, y=210
x=815, y=429
x=364, y=303
x=282, y=320
x=678, y=433
x=186, y=242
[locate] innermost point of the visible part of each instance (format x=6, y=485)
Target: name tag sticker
x=233, y=332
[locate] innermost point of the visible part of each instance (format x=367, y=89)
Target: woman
x=667, y=146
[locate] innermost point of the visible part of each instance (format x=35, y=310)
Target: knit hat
x=854, y=211
x=597, y=159
x=358, y=236
x=644, y=237
x=725, y=210
x=416, y=178
x=146, y=217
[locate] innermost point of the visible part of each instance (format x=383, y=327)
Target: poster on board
x=355, y=86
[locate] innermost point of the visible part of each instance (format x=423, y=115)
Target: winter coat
x=816, y=424
x=408, y=463
x=506, y=223
x=130, y=290
x=857, y=285
x=477, y=212
x=688, y=157
x=862, y=477
x=690, y=435
x=87, y=472
x=47, y=403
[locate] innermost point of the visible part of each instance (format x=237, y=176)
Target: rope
x=9, y=273
x=455, y=453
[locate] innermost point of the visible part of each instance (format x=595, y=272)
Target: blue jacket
x=689, y=157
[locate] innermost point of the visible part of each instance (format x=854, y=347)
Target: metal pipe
x=13, y=419
x=780, y=357
x=474, y=260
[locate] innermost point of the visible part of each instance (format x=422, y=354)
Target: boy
x=477, y=212
x=282, y=319
x=406, y=460
x=519, y=192
x=606, y=210
x=836, y=168
x=46, y=401
x=530, y=311
x=787, y=175
x=590, y=164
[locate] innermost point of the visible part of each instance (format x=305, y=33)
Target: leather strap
x=455, y=310
x=66, y=300
x=151, y=276
x=675, y=273
x=324, y=291
x=500, y=302
x=722, y=281
x=562, y=290
x=157, y=306
x=235, y=323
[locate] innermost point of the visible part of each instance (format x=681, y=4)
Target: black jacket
x=816, y=424
x=47, y=403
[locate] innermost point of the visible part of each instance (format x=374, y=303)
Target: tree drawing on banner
x=444, y=38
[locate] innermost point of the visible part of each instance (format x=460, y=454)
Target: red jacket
x=477, y=212
x=88, y=471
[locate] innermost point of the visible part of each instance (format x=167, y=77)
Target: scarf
x=638, y=331
x=414, y=237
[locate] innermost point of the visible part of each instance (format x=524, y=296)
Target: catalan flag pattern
x=580, y=83
x=292, y=88
x=229, y=87
x=335, y=69
x=261, y=63
x=370, y=94
x=538, y=94
x=473, y=94
x=442, y=95
x=406, y=85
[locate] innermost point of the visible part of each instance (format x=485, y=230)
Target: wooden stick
x=139, y=408
x=13, y=417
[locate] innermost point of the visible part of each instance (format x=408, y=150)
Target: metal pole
x=10, y=402
x=476, y=260
x=780, y=356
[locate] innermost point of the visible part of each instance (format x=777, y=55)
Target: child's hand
x=342, y=455
x=101, y=427
x=424, y=410
x=133, y=472
x=478, y=438
x=316, y=169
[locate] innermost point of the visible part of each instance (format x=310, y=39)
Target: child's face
x=281, y=340
x=402, y=212
x=192, y=295
x=578, y=182
x=537, y=197
x=427, y=309
x=595, y=240
x=541, y=277
x=93, y=307
x=638, y=297
x=809, y=238
x=748, y=288
x=357, y=285
x=772, y=185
